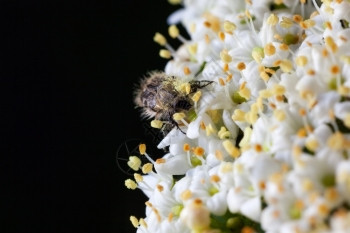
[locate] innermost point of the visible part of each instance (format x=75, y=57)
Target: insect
x=160, y=97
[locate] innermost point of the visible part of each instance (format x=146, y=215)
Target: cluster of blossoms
x=268, y=148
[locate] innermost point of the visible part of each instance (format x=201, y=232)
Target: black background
x=67, y=73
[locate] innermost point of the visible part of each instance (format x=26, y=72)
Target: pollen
x=302, y=133
x=199, y=151
x=159, y=187
x=225, y=57
x=297, y=18
x=173, y=31
x=138, y=177
x=164, y=53
x=185, y=195
x=331, y=44
x=222, y=81
x=335, y=69
x=179, y=116
x=229, y=77
x=221, y=36
x=218, y=155
x=231, y=149
x=226, y=67
x=278, y=89
x=207, y=24
x=215, y=178
x=186, y=147
x=160, y=161
x=130, y=184
x=269, y=49
x=284, y=47
x=147, y=168
x=197, y=96
x=238, y=115
x=328, y=25
x=134, y=163
x=286, y=22
x=264, y=76
x=307, y=24
x=272, y=19
x=187, y=70
x=193, y=49
x=134, y=221
x=202, y=125
x=286, y=66
x=301, y=61
x=160, y=39
x=142, y=149
x=336, y=141
x=279, y=114
x=229, y=27
x=157, y=124
x=241, y=66
x=258, y=148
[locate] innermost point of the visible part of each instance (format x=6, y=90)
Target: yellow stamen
x=215, y=178
x=193, y=49
x=279, y=114
x=157, y=124
x=134, y=163
x=331, y=44
x=269, y=49
x=238, y=115
x=241, y=66
x=160, y=161
x=187, y=70
x=130, y=184
x=134, y=221
x=173, y=31
x=219, y=155
x=186, y=147
x=221, y=36
x=272, y=19
x=199, y=151
x=142, y=149
x=164, y=53
x=179, y=116
x=301, y=61
x=187, y=194
x=231, y=149
x=336, y=141
x=225, y=57
x=229, y=27
x=297, y=18
x=147, y=168
x=160, y=39
x=138, y=177
x=286, y=22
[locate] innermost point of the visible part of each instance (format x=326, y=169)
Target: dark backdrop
x=67, y=73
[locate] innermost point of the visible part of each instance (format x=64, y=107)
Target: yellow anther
x=134, y=221
x=210, y=130
x=229, y=77
x=157, y=124
x=272, y=19
x=226, y=67
x=323, y=209
x=301, y=61
x=164, y=53
x=307, y=23
x=185, y=195
x=186, y=147
x=331, y=44
x=331, y=194
x=241, y=66
x=186, y=88
x=179, y=116
x=238, y=115
x=284, y=47
x=286, y=22
x=347, y=120
x=258, y=54
x=199, y=151
x=222, y=81
x=302, y=112
x=278, y=37
x=229, y=27
x=219, y=155
x=160, y=161
x=159, y=187
x=130, y=184
x=160, y=39
x=244, y=91
x=207, y=38
x=221, y=36
x=197, y=96
x=343, y=90
x=335, y=69
x=134, y=163
x=311, y=72
x=175, y=2
x=297, y=18
x=143, y=223
x=264, y=76
x=325, y=52
x=202, y=125
x=258, y=148
x=328, y=25
x=251, y=117
x=138, y=177
x=173, y=31
x=297, y=151
x=223, y=133
x=147, y=168
x=231, y=149
x=336, y=141
x=213, y=21
x=286, y=66
x=278, y=89
x=269, y=49
x=215, y=178
x=279, y=114
x=225, y=57
x=207, y=24
x=247, y=13
x=302, y=133
x=193, y=49
x=142, y=149
x=311, y=144
x=187, y=70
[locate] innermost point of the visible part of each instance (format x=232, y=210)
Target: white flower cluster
x=269, y=148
